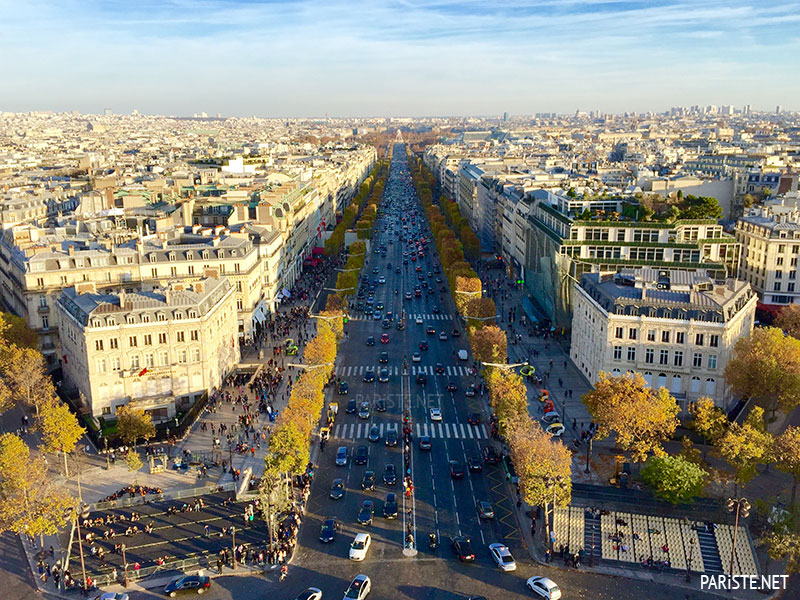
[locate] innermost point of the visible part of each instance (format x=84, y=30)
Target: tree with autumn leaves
x=489, y=344
x=508, y=397
x=641, y=418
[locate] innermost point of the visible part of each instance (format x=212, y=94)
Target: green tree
x=786, y=454
x=15, y=331
x=642, y=418
x=708, y=420
x=540, y=461
x=507, y=397
x=134, y=424
x=745, y=446
x=24, y=373
x=784, y=544
x=788, y=319
x=673, y=478
x=134, y=462
x=29, y=501
x=766, y=367
x=60, y=430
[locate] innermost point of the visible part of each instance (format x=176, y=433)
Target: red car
x=385, y=338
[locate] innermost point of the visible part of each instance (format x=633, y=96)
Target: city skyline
x=311, y=58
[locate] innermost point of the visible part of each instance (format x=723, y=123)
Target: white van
x=462, y=354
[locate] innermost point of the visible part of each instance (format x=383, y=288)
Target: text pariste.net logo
x=763, y=583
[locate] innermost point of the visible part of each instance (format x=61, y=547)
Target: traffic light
x=520, y=281
x=344, y=319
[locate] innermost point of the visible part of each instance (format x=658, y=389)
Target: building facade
x=158, y=350
x=677, y=328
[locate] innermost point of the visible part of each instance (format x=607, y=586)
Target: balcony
x=43, y=309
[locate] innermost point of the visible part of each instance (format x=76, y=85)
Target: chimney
x=168, y=295
x=71, y=249
x=122, y=298
x=198, y=287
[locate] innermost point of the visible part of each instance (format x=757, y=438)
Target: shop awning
x=318, y=251
x=259, y=315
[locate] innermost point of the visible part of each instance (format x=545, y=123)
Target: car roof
x=361, y=536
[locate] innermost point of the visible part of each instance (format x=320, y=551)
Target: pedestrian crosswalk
x=438, y=430
x=411, y=318
x=450, y=370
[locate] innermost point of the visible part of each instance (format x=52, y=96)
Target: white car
x=544, y=588
x=359, y=547
x=311, y=593
x=112, y=596
x=555, y=429
x=551, y=417
x=436, y=414
x=502, y=556
x=416, y=357
x=418, y=320
x=359, y=588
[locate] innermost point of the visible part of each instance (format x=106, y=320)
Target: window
x=192, y=314
x=680, y=337
x=713, y=341
x=42, y=301
x=678, y=358
x=194, y=335
x=698, y=339
x=39, y=282
x=239, y=304
x=239, y=286
x=694, y=386
x=663, y=358
x=617, y=352
x=101, y=365
x=712, y=362
x=106, y=410
x=711, y=386
x=196, y=355
x=178, y=315
x=619, y=333
x=632, y=333
x=236, y=267
x=132, y=341
x=113, y=343
x=191, y=269
x=98, y=345
x=180, y=336
x=115, y=364
x=148, y=339
x=145, y=318
x=45, y=322
x=135, y=361
x=697, y=360
x=154, y=273
x=181, y=357
x=162, y=338
x=149, y=360
x=648, y=356
x=651, y=335
x=161, y=317
x=665, y=337
x=631, y=353
x=790, y=287
x=164, y=358
x=173, y=271
x=776, y=287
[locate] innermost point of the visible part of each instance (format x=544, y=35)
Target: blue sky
x=403, y=58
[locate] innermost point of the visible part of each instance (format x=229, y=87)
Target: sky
x=348, y=58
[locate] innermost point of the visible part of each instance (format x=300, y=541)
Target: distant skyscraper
x=505, y=117
x=746, y=109
x=778, y=109
x=107, y=112
x=135, y=112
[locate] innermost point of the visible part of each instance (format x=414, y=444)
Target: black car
x=474, y=419
x=451, y=386
x=343, y=388
x=361, y=455
x=389, y=475
x=490, y=455
x=366, y=512
x=390, y=506
x=351, y=406
x=439, y=368
x=386, y=324
x=456, y=470
x=380, y=405
x=425, y=442
x=391, y=437
x=383, y=358
x=401, y=325
x=369, y=375
x=430, y=330
x=463, y=548
x=368, y=481
x=374, y=433
x=328, y=532
x=423, y=345
x=371, y=340
x=475, y=465
x=337, y=489
x=455, y=333
x=422, y=379
x=188, y=583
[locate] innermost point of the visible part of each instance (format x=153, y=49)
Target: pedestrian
x=548, y=555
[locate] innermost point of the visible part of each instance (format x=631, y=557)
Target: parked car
x=198, y=584
x=544, y=588
x=360, y=546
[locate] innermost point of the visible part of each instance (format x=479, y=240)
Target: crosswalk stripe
x=337, y=431
x=447, y=430
x=483, y=428
x=381, y=429
x=359, y=429
x=461, y=427
x=470, y=432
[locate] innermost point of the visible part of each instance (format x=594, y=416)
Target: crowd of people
x=132, y=491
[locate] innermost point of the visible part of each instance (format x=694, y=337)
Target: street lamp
x=555, y=483
x=691, y=554
x=309, y=367
x=84, y=513
x=739, y=506
x=480, y=318
x=589, y=438
x=233, y=537
x=125, y=580
x=338, y=289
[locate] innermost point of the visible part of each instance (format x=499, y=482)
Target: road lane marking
x=461, y=427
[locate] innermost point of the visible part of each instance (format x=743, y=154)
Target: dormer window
x=177, y=315
x=192, y=314
x=130, y=320
x=172, y=257
x=205, y=254
x=190, y=255
x=111, y=321
x=145, y=318
x=97, y=323
x=161, y=317
x=152, y=258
